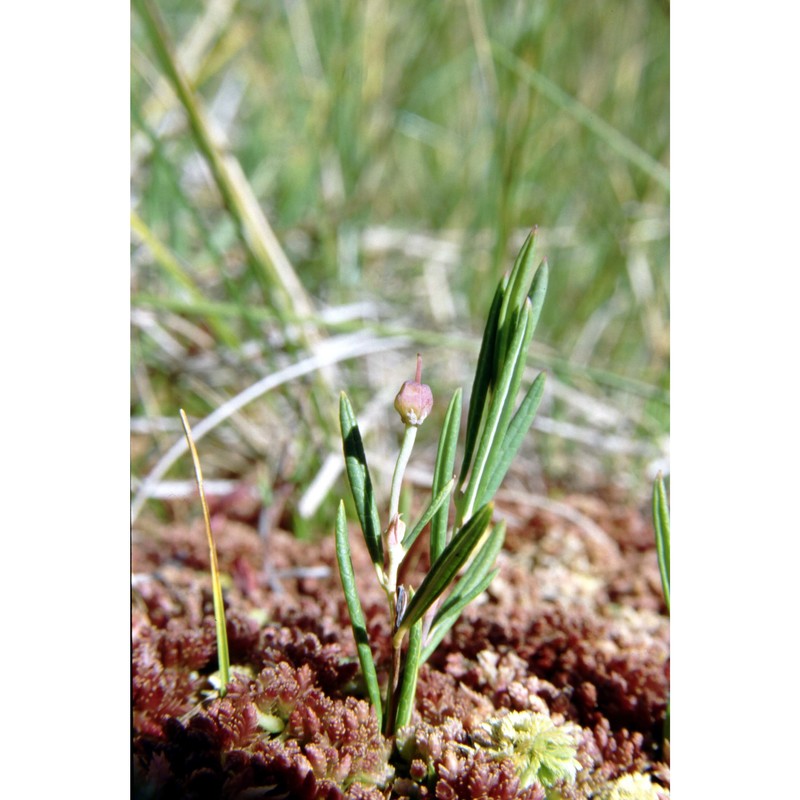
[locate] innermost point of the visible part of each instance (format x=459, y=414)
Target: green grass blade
x=356, y=612
x=216, y=584
x=512, y=441
x=443, y=472
x=661, y=524
x=596, y=124
x=360, y=481
x=408, y=686
x=442, y=572
x=279, y=282
x=436, y=504
x=485, y=373
x=169, y=263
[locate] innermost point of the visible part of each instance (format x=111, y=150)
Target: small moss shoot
x=541, y=751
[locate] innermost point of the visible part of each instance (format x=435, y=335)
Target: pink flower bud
x=414, y=401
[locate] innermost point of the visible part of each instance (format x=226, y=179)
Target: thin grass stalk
x=274, y=270
x=599, y=127
x=609, y=380
x=216, y=584
x=172, y=267
x=306, y=366
x=279, y=283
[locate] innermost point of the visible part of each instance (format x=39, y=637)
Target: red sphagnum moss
x=573, y=628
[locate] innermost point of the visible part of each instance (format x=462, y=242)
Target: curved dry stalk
x=339, y=349
x=216, y=584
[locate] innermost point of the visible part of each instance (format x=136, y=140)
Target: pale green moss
x=634, y=786
x=540, y=750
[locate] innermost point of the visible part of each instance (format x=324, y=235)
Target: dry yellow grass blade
x=219, y=607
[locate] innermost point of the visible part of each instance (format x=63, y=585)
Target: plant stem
x=395, y=551
x=391, y=689
x=409, y=437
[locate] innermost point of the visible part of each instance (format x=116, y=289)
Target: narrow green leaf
x=450, y=612
x=518, y=287
x=538, y=292
x=446, y=567
x=513, y=390
x=438, y=502
x=359, y=480
x=482, y=563
x=488, y=438
x=484, y=379
x=443, y=472
x=357, y=620
x=661, y=525
x=475, y=580
x=408, y=685
x=512, y=441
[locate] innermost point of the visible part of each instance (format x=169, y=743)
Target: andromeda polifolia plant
x=462, y=555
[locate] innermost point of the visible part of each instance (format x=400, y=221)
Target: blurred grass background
x=347, y=181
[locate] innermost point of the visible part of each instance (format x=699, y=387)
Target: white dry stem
x=332, y=351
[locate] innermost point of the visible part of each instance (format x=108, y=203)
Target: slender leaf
x=518, y=287
x=517, y=430
x=436, y=504
x=511, y=395
x=443, y=472
x=216, y=583
x=484, y=380
x=538, y=292
x=475, y=580
x=661, y=524
x=357, y=620
x=359, y=480
x=446, y=567
x=408, y=685
x=449, y=613
x=499, y=399
x=481, y=564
